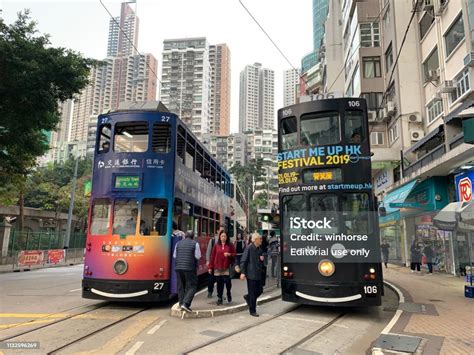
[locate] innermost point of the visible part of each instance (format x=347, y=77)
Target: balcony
x=425, y=160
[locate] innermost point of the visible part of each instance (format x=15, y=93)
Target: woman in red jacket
x=222, y=256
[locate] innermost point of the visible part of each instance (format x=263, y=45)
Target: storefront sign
x=56, y=256
x=30, y=257
x=464, y=186
x=383, y=180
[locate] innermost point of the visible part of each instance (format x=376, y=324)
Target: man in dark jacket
x=251, y=269
x=187, y=254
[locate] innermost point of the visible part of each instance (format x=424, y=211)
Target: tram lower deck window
x=125, y=216
x=100, y=218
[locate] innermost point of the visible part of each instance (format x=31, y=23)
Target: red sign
x=55, y=256
x=465, y=189
x=30, y=257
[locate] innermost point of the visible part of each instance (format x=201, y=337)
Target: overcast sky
x=82, y=25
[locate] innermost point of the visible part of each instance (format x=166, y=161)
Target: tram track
x=52, y=316
x=287, y=350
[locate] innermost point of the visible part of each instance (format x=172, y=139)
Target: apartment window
x=425, y=23
x=430, y=64
x=386, y=17
x=454, y=35
x=369, y=34
x=462, y=85
x=388, y=58
x=376, y=138
x=371, y=67
x=435, y=109
x=374, y=100
x=393, y=133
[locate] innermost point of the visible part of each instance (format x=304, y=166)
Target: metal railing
x=43, y=241
x=425, y=160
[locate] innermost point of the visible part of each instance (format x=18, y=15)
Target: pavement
x=433, y=312
x=204, y=307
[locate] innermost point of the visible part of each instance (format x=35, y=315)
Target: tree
x=34, y=78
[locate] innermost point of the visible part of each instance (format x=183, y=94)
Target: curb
x=210, y=313
x=26, y=269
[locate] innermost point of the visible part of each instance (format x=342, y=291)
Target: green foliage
x=34, y=78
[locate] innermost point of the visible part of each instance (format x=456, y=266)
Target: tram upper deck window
x=353, y=127
x=289, y=133
x=320, y=129
x=100, y=223
x=105, y=133
x=161, y=141
x=355, y=211
x=131, y=137
x=125, y=216
x=154, y=217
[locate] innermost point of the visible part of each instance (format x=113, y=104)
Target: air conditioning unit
x=437, y=97
x=416, y=135
x=469, y=60
x=391, y=110
x=447, y=86
x=427, y=5
x=372, y=116
x=433, y=75
x=414, y=118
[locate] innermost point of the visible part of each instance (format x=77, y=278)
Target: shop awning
x=449, y=217
x=396, y=198
x=467, y=214
x=461, y=110
x=434, y=133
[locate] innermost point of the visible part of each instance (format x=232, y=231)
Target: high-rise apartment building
x=291, y=80
x=122, y=42
x=256, y=101
x=219, y=59
x=185, y=80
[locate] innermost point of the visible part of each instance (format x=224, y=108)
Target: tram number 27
x=158, y=286
x=370, y=290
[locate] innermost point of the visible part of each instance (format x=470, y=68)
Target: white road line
x=134, y=348
x=77, y=289
x=398, y=313
x=198, y=293
x=156, y=327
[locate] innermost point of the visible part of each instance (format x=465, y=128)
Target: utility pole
x=71, y=206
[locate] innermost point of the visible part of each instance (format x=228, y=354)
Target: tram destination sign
x=127, y=182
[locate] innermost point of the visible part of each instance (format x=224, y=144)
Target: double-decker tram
x=150, y=173
x=330, y=237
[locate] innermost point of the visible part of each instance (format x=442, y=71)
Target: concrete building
x=219, y=59
x=120, y=40
x=291, y=80
x=256, y=100
x=185, y=78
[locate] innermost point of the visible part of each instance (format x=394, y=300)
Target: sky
x=82, y=25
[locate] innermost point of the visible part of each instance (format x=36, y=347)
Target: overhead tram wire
x=385, y=95
x=273, y=42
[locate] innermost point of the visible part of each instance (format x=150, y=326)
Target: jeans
x=221, y=280
x=416, y=266
x=430, y=267
x=187, y=286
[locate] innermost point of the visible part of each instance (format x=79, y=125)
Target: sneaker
x=254, y=314
x=209, y=295
x=229, y=299
x=246, y=298
x=186, y=308
x=219, y=301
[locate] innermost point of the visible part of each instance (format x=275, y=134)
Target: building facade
x=123, y=33
x=291, y=80
x=257, y=98
x=185, y=79
x=219, y=59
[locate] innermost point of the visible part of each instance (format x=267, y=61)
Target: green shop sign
x=127, y=182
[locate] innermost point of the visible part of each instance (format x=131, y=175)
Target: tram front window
x=292, y=206
x=100, y=216
x=125, y=216
x=355, y=210
x=325, y=206
x=320, y=129
x=289, y=133
x=154, y=217
x=353, y=128
x=131, y=137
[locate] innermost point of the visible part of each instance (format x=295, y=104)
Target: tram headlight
x=120, y=266
x=372, y=270
x=326, y=267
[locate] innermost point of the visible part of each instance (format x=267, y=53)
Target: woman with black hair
x=222, y=257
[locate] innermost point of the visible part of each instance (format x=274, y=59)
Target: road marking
x=134, y=348
x=77, y=289
x=156, y=327
x=33, y=315
x=8, y=326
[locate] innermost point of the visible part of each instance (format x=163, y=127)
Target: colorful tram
x=330, y=251
x=149, y=172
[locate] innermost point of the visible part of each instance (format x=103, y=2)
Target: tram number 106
x=370, y=290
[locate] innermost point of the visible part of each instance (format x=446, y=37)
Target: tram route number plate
x=158, y=286
x=370, y=291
